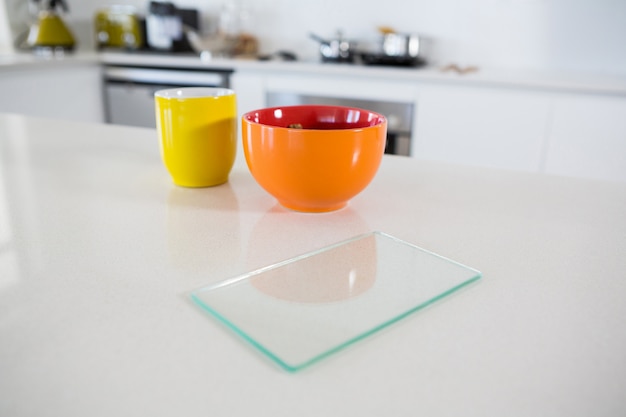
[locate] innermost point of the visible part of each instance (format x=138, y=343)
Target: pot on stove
x=395, y=48
x=406, y=45
x=337, y=49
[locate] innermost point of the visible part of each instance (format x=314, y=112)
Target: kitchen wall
x=570, y=35
x=5, y=33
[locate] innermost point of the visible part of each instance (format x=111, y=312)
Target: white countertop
x=543, y=80
x=98, y=251
x=589, y=83
x=20, y=60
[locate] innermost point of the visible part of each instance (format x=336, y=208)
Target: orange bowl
x=330, y=156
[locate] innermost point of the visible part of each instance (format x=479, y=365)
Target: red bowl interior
x=315, y=117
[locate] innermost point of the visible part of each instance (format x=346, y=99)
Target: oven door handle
x=166, y=76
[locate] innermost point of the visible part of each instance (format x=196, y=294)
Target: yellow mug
x=198, y=134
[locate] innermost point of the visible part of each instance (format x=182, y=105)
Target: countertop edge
x=529, y=79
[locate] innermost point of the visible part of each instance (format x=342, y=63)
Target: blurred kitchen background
x=560, y=35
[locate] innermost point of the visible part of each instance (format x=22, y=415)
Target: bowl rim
x=380, y=116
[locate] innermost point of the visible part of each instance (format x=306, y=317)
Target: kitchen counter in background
x=99, y=251
x=583, y=83
x=25, y=60
x=564, y=124
x=550, y=81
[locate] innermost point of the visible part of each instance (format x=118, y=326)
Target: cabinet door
x=250, y=89
x=588, y=138
x=62, y=91
x=501, y=128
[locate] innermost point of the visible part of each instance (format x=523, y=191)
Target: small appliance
x=166, y=24
x=119, y=26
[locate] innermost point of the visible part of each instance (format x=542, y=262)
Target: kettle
x=49, y=30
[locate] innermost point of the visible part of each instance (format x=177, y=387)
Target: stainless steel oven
x=129, y=91
x=399, y=115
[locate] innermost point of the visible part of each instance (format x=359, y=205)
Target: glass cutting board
x=299, y=311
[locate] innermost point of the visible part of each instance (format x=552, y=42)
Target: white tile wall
x=571, y=35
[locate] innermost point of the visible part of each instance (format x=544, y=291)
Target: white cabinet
x=571, y=134
x=525, y=128
x=57, y=90
x=482, y=126
x=588, y=137
x=250, y=90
